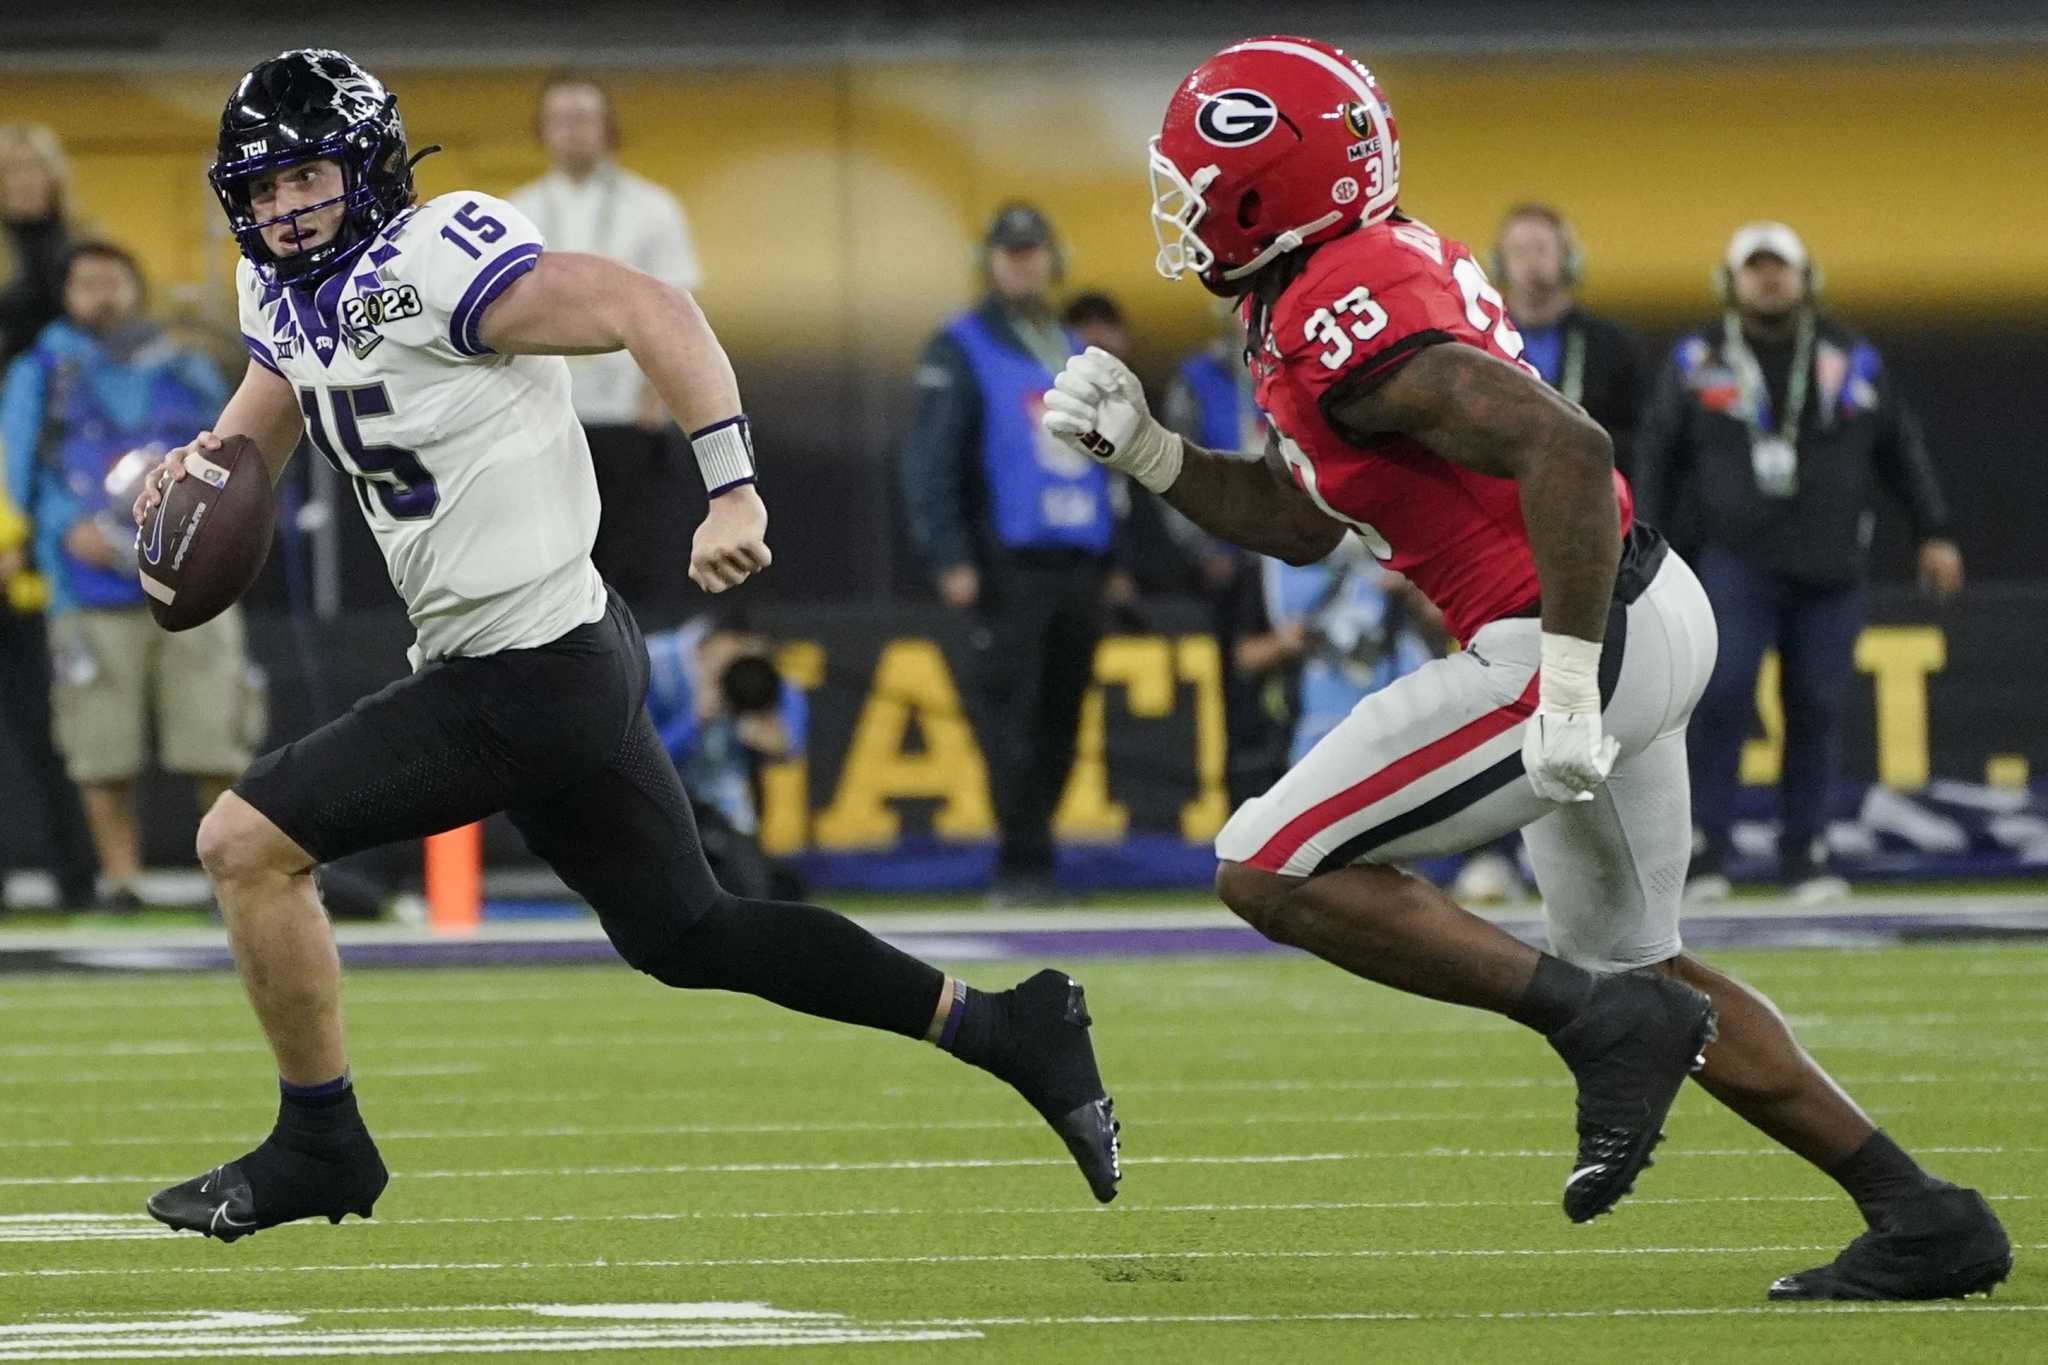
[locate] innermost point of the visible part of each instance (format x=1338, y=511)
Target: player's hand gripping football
x=168, y=471
x=1097, y=406
x=732, y=544
x=1564, y=750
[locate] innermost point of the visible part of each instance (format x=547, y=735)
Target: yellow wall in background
x=836, y=206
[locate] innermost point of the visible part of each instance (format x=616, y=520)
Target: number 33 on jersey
x=435, y=431
x=1365, y=303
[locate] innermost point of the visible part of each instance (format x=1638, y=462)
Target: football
x=203, y=546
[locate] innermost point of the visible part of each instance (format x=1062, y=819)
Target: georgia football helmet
x=1271, y=145
x=306, y=105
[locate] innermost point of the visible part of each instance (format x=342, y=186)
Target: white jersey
x=469, y=466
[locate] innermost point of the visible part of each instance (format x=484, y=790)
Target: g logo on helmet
x=1235, y=118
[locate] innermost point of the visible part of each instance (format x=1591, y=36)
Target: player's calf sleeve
x=803, y=958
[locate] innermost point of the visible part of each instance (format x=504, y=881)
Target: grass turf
x=1315, y=1167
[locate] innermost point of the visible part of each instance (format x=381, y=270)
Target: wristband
x=1569, y=681
x=725, y=454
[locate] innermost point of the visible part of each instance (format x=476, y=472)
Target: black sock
x=1555, y=995
x=320, y=1122
x=1879, y=1172
x=806, y=959
x=976, y=1029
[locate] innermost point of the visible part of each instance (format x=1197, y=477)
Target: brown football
x=207, y=540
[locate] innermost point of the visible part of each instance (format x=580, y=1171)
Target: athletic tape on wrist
x=1156, y=463
x=1570, y=679
x=725, y=454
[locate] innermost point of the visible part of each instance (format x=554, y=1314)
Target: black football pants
x=558, y=737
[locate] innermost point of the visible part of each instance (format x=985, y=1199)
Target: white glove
x=1097, y=406
x=1563, y=749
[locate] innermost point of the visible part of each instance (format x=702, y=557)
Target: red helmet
x=1270, y=145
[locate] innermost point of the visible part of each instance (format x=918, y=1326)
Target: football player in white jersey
x=417, y=347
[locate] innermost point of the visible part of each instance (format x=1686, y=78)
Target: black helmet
x=306, y=105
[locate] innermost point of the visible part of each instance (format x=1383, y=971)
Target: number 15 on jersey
x=395, y=475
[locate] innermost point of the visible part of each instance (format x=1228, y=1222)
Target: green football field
x=584, y=1162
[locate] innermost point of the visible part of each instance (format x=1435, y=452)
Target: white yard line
x=91, y=1226
x=1790, y=1310
x=800, y=1128
x=982, y=1258
x=986, y=1163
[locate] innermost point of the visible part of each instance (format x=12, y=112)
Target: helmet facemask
x=1177, y=207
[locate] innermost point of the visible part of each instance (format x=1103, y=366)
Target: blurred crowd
x=1762, y=445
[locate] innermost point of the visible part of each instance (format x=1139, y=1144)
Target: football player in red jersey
x=1401, y=410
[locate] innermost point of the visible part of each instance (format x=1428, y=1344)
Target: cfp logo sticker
x=362, y=315
x=1236, y=118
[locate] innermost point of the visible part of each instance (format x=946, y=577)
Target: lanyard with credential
x=1572, y=383
x=1773, y=455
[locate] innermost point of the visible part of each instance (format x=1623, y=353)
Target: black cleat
x=1051, y=1061
x=295, y=1184
x=1630, y=1049
x=1943, y=1244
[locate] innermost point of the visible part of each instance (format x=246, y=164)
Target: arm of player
x=1497, y=419
x=1097, y=406
x=575, y=304
x=263, y=408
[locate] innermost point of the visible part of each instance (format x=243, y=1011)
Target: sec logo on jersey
x=1236, y=118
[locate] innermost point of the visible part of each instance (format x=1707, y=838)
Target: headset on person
x=1722, y=277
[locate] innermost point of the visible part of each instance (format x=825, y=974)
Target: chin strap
x=421, y=155
x=1287, y=241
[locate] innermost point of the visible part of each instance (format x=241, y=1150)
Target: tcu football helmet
x=1271, y=145
x=306, y=105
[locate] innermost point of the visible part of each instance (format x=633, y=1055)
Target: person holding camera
x=722, y=710
x=1760, y=455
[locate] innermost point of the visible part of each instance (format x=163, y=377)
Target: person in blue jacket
x=1017, y=532
x=98, y=396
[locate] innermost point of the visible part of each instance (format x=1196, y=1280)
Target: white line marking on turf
x=1856, y=1032
x=821, y=1127
x=156, y=1077
x=991, y=1163
x=982, y=1258
x=581, y=1131
x=757, y=1167
x=73, y=1227
x=1506, y=1315
x=574, y=1328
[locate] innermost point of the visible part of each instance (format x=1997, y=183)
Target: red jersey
x=1365, y=303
